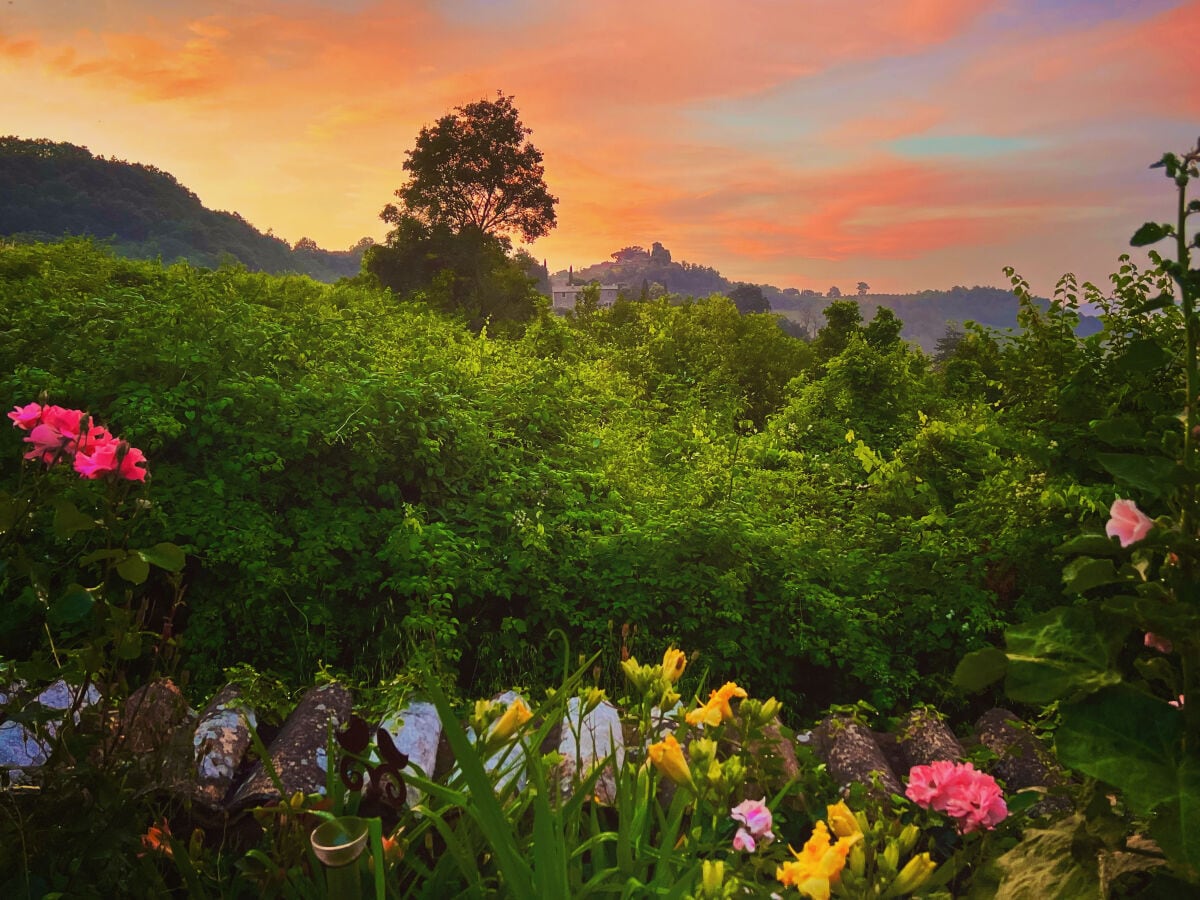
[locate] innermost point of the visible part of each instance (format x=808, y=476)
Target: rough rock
x=416, y=731
x=924, y=738
x=1023, y=760
x=24, y=749
x=157, y=728
x=852, y=754
x=220, y=742
x=299, y=753
x=588, y=740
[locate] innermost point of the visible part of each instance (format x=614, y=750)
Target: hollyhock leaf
x=1043, y=865
x=129, y=646
x=1089, y=544
x=1130, y=740
x=68, y=520
x=978, y=669
x=1154, y=475
x=1150, y=233
x=1176, y=824
x=1142, y=356
x=165, y=555
x=73, y=606
x=133, y=568
x=1082, y=574
x=1058, y=654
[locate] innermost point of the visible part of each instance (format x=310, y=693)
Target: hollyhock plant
x=1127, y=523
x=756, y=822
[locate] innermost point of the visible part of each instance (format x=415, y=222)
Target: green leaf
x=1153, y=474
x=1058, y=654
x=133, y=568
x=73, y=606
x=1134, y=742
x=99, y=555
x=129, y=646
x=68, y=520
x=1091, y=544
x=1082, y=574
x=1120, y=431
x=978, y=669
x=1150, y=233
x=165, y=556
x=1043, y=865
x=1162, y=301
x=1142, y=356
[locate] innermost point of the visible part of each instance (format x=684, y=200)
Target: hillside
x=926, y=315
x=50, y=190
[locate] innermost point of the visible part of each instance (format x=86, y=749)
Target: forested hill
x=49, y=190
x=926, y=315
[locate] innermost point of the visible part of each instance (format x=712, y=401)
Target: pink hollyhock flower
x=1178, y=704
x=1158, y=642
x=743, y=841
x=755, y=817
x=926, y=783
x=1127, y=524
x=106, y=458
x=25, y=417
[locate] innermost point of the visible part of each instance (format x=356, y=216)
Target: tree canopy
x=475, y=168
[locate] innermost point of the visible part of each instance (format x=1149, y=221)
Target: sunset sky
x=803, y=143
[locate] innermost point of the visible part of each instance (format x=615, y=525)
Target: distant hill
x=925, y=315
x=50, y=190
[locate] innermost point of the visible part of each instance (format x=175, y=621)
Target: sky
x=911, y=144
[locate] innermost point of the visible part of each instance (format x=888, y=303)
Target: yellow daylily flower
x=667, y=757
x=717, y=709
x=818, y=865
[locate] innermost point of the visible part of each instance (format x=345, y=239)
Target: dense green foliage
x=49, y=190
x=363, y=483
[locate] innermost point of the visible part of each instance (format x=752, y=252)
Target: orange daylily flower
x=667, y=757
x=818, y=865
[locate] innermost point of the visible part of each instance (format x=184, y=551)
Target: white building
x=565, y=297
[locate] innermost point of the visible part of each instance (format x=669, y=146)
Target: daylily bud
x=640, y=677
x=857, y=859
x=673, y=664
x=889, y=859
x=841, y=820
x=667, y=757
x=593, y=698
x=506, y=726
x=913, y=876
x=908, y=839
x=712, y=877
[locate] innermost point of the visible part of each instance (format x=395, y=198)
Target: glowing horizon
x=910, y=144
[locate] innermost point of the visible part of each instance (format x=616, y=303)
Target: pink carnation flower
x=1127, y=524
x=972, y=798
x=755, y=817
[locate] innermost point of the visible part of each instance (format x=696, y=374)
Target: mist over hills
x=925, y=314
x=50, y=190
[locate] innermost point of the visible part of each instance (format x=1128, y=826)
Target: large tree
x=475, y=169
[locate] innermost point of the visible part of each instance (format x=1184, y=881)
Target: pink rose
x=1158, y=642
x=25, y=417
x=1128, y=523
x=106, y=458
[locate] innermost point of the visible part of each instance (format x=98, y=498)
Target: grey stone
x=587, y=741
x=299, y=753
x=416, y=731
x=220, y=742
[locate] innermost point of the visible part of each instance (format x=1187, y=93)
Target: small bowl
x=339, y=842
